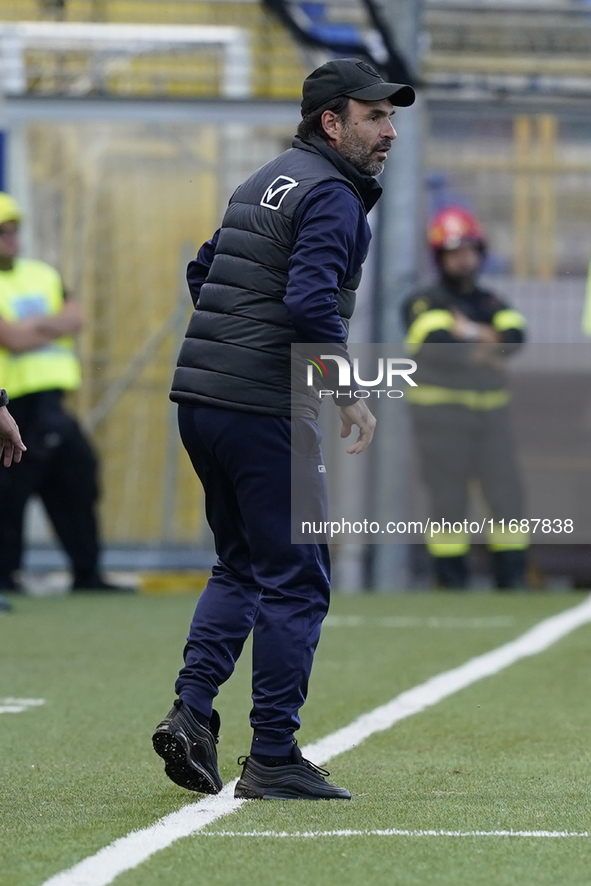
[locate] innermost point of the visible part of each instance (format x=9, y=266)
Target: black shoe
x=451, y=572
x=189, y=749
x=510, y=570
x=298, y=780
x=4, y=605
x=98, y=583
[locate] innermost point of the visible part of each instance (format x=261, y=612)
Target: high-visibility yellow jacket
x=33, y=288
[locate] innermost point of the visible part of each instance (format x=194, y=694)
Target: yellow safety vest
x=30, y=289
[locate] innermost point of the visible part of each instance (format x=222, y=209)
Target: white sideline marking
x=395, y=832
x=130, y=851
x=18, y=705
x=409, y=621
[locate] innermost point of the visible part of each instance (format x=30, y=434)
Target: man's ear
x=332, y=124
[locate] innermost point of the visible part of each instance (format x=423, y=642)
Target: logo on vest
x=277, y=191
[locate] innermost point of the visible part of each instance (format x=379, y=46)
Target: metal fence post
x=398, y=240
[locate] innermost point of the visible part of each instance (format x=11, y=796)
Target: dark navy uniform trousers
x=262, y=582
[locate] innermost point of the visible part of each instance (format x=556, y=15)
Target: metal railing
x=108, y=42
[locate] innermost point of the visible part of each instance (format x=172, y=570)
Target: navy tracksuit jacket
x=261, y=581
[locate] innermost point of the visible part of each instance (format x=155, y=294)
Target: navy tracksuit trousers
x=261, y=582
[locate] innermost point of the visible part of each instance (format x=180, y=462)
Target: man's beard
x=465, y=282
x=356, y=151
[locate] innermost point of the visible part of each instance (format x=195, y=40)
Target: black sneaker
x=298, y=780
x=189, y=749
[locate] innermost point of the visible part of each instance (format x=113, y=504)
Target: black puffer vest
x=236, y=353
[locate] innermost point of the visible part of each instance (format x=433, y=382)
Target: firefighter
x=462, y=335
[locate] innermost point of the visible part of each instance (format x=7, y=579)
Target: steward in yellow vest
x=38, y=364
x=461, y=336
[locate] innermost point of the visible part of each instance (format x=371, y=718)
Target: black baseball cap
x=355, y=79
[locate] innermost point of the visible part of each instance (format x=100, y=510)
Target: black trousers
x=61, y=468
x=456, y=445
x=261, y=582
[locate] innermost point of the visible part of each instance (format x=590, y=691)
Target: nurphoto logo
x=388, y=370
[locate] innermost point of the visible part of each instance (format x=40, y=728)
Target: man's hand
x=70, y=319
x=35, y=332
x=468, y=330
x=357, y=414
x=11, y=445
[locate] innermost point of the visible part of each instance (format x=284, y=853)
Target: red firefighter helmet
x=454, y=226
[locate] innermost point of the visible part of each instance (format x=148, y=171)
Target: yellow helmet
x=9, y=209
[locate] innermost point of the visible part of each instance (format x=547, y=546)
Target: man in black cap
x=283, y=268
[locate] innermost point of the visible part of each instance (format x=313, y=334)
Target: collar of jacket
x=368, y=188
x=454, y=287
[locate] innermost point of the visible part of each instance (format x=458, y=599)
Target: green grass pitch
x=511, y=752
